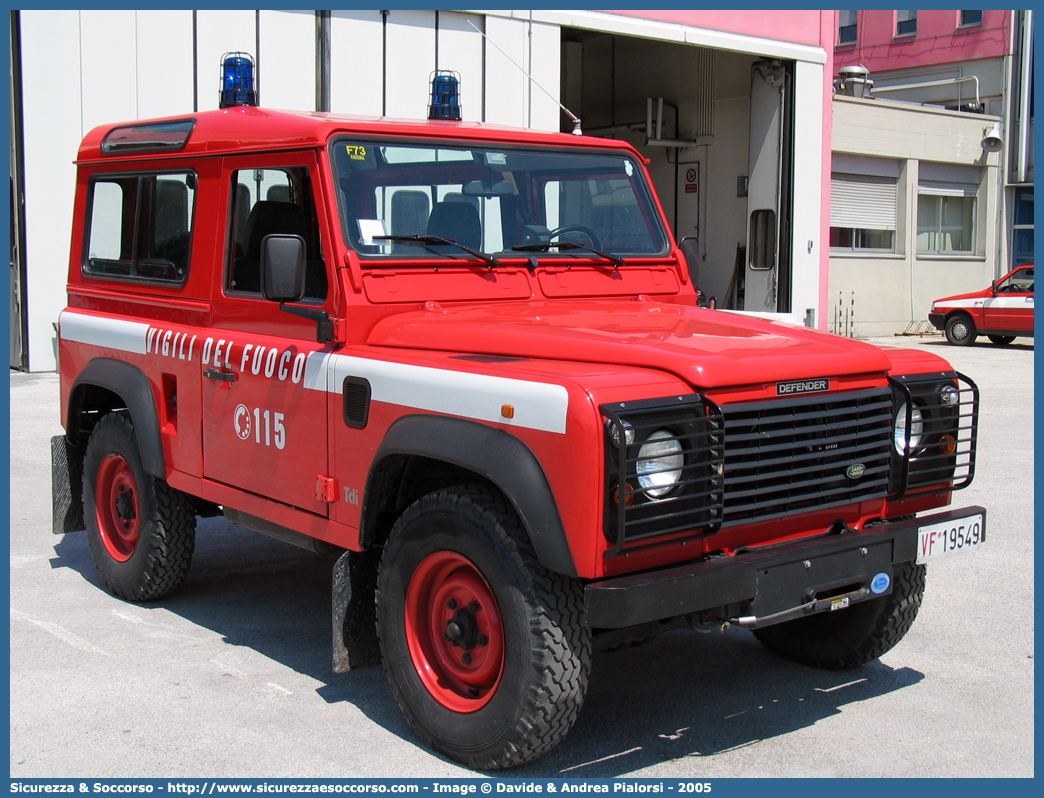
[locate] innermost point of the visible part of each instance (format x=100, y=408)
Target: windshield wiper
x=429, y=240
x=617, y=261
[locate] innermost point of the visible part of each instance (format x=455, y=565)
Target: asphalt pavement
x=231, y=676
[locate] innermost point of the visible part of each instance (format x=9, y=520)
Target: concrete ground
x=231, y=676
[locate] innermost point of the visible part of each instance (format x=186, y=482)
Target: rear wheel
x=960, y=330
x=485, y=649
x=1001, y=340
x=854, y=636
x=140, y=531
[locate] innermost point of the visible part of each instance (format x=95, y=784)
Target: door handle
x=220, y=375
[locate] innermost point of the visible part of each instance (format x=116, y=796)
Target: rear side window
x=139, y=227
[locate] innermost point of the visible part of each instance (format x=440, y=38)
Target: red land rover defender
x=471, y=360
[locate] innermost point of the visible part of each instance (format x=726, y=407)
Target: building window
x=846, y=27
x=945, y=219
x=862, y=213
x=1022, y=229
x=969, y=18
x=906, y=23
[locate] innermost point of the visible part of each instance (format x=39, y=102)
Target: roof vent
x=855, y=81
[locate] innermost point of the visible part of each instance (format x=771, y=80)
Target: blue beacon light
x=237, y=81
x=445, y=96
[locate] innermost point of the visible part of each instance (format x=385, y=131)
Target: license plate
x=936, y=541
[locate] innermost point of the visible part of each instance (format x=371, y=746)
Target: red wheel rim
x=117, y=508
x=454, y=632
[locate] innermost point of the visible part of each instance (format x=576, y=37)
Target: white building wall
x=217, y=33
x=460, y=50
x=286, y=58
x=409, y=60
x=139, y=64
x=356, y=62
x=887, y=292
x=505, y=85
x=164, y=65
x=53, y=131
x=108, y=67
x=128, y=65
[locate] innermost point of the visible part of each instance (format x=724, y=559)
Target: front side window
x=862, y=213
x=139, y=226
x=1020, y=282
x=945, y=220
x=272, y=202
x=445, y=200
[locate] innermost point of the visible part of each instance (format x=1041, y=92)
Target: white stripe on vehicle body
x=1019, y=301
x=537, y=405
x=119, y=334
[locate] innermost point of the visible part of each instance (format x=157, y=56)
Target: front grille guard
x=695, y=504
x=931, y=465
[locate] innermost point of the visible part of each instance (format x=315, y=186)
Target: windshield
x=479, y=201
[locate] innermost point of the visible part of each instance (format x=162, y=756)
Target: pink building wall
x=939, y=40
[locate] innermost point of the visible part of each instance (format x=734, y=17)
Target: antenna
x=576, y=120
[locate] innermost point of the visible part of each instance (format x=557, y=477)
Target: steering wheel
x=596, y=242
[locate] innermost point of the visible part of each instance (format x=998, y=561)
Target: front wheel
x=854, y=636
x=485, y=649
x=140, y=531
x=1001, y=340
x=960, y=330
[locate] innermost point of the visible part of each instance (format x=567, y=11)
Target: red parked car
x=1002, y=312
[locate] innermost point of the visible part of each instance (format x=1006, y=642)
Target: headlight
x=949, y=396
x=902, y=438
x=660, y=462
x=614, y=433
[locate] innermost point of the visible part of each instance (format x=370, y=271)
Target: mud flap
x=354, y=613
x=66, y=486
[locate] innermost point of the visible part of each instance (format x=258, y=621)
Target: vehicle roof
x=247, y=129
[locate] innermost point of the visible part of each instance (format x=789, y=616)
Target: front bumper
x=767, y=585
x=938, y=320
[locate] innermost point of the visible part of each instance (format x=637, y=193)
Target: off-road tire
x=960, y=330
x=150, y=558
x=471, y=533
x=851, y=637
x=1001, y=340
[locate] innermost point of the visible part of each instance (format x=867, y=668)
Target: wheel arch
x=106, y=385
x=959, y=312
x=422, y=453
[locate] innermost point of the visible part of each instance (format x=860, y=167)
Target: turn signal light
x=947, y=444
x=628, y=495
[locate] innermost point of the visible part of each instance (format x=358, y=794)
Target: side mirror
x=993, y=285
x=282, y=268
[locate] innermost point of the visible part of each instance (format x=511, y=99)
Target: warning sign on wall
x=691, y=177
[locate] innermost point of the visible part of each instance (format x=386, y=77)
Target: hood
x=985, y=292
x=706, y=348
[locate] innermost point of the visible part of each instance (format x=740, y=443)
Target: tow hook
x=813, y=607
